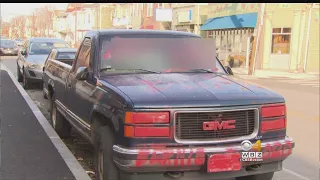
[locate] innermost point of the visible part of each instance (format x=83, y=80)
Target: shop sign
x=120, y=21
x=185, y=16
x=228, y=9
x=164, y=15
x=284, y=5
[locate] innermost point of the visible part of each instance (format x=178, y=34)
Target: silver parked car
x=32, y=56
x=19, y=42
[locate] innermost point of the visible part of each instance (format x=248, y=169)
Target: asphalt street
x=24, y=140
x=302, y=99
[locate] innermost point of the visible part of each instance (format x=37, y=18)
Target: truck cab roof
x=137, y=31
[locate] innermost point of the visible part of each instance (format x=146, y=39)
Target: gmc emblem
x=216, y=125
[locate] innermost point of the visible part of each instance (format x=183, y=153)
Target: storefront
x=233, y=35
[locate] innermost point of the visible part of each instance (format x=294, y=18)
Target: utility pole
x=256, y=40
x=75, y=28
x=198, y=19
x=33, y=22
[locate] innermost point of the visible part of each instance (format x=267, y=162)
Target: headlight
x=34, y=66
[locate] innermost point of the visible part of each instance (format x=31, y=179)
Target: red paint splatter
x=169, y=157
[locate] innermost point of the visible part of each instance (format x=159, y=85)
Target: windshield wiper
x=201, y=70
x=145, y=70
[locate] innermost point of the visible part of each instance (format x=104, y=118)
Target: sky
x=9, y=10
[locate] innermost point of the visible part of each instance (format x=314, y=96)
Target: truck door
x=78, y=92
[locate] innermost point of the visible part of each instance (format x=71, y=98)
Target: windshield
x=158, y=53
x=8, y=43
x=66, y=55
x=45, y=47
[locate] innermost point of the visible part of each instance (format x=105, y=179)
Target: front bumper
x=33, y=74
x=192, y=160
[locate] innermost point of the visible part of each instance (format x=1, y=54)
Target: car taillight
x=273, y=117
x=142, y=124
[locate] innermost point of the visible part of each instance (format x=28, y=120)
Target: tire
x=104, y=165
x=44, y=94
x=25, y=82
x=20, y=78
x=58, y=122
x=266, y=176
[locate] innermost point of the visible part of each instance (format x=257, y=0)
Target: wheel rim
x=100, y=165
x=54, y=116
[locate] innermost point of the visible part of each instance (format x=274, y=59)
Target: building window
x=89, y=18
x=149, y=9
x=281, y=40
x=160, y=5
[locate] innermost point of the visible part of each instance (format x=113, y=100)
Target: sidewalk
x=30, y=148
x=262, y=73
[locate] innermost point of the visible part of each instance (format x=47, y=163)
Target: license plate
x=224, y=162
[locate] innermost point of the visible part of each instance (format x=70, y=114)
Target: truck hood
x=37, y=58
x=190, y=89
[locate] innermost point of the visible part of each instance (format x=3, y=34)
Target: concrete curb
x=73, y=164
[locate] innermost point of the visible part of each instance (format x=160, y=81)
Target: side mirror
x=23, y=52
x=82, y=73
x=229, y=70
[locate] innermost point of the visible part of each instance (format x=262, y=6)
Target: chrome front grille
x=189, y=125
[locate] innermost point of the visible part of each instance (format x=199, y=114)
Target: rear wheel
x=104, y=165
x=20, y=78
x=266, y=176
x=44, y=93
x=58, y=122
x=25, y=82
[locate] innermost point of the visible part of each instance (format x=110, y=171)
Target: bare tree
x=18, y=26
x=44, y=20
x=5, y=29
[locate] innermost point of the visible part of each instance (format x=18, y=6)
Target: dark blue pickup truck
x=154, y=118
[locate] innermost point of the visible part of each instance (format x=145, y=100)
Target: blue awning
x=248, y=20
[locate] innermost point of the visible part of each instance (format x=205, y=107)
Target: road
x=302, y=99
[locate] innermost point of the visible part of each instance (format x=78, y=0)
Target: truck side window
x=84, y=55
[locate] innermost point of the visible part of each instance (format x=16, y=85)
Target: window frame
x=281, y=33
x=75, y=68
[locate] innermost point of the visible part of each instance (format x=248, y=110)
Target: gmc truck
x=153, y=117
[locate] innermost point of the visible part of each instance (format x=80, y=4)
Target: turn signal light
x=273, y=117
x=272, y=125
x=137, y=131
x=273, y=111
x=142, y=124
x=147, y=117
